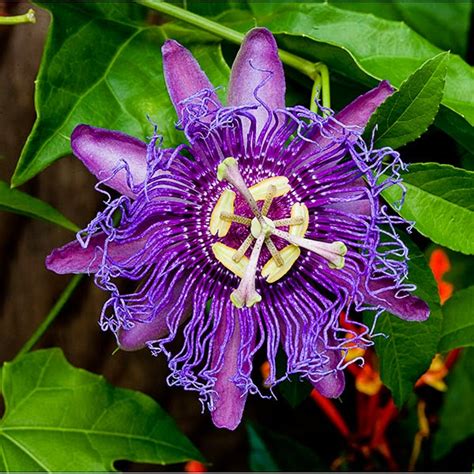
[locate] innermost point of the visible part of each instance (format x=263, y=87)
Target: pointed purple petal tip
x=105, y=151
x=361, y=109
x=256, y=59
x=184, y=76
x=169, y=46
x=408, y=307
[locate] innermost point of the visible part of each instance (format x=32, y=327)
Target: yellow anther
x=299, y=210
x=259, y=191
x=224, y=254
x=224, y=204
x=273, y=272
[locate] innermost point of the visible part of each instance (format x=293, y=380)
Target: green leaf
x=365, y=48
x=59, y=418
x=260, y=459
x=445, y=24
x=12, y=200
x=295, y=391
x=101, y=68
x=407, y=352
x=408, y=113
x=458, y=321
x=456, y=419
x=440, y=199
x=270, y=451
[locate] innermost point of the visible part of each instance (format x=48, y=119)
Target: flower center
x=261, y=230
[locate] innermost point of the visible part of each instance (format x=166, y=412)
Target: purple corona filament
x=252, y=237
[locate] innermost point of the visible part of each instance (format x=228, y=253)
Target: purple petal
x=73, y=258
x=105, y=151
x=136, y=337
x=257, y=73
x=359, y=206
x=229, y=401
x=184, y=77
x=356, y=114
x=361, y=109
x=406, y=307
x=332, y=384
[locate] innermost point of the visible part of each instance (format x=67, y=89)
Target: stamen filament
x=274, y=251
x=237, y=257
x=229, y=217
x=245, y=294
x=268, y=199
x=289, y=221
x=333, y=253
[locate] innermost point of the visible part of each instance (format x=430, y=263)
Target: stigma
x=261, y=230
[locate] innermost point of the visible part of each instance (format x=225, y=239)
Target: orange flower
x=368, y=380
x=434, y=376
x=194, y=466
x=440, y=265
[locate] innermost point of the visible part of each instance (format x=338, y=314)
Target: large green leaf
x=458, y=321
x=445, y=24
x=408, y=113
x=363, y=48
x=440, y=199
x=103, y=69
x=456, y=421
x=270, y=451
x=12, y=200
x=410, y=346
x=59, y=418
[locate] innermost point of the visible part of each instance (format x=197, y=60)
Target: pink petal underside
x=73, y=258
x=359, y=111
x=360, y=206
x=229, y=402
x=257, y=72
x=136, y=337
x=105, y=151
x=356, y=114
x=333, y=383
x=184, y=77
x=409, y=308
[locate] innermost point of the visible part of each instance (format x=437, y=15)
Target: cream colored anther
x=225, y=204
x=224, y=254
x=259, y=191
x=272, y=272
x=299, y=212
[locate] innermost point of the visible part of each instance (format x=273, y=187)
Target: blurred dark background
x=28, y=290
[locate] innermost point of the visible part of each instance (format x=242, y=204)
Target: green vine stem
x=51, y=316
x=28, y=17
x=321, y=88
x=304, y=66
